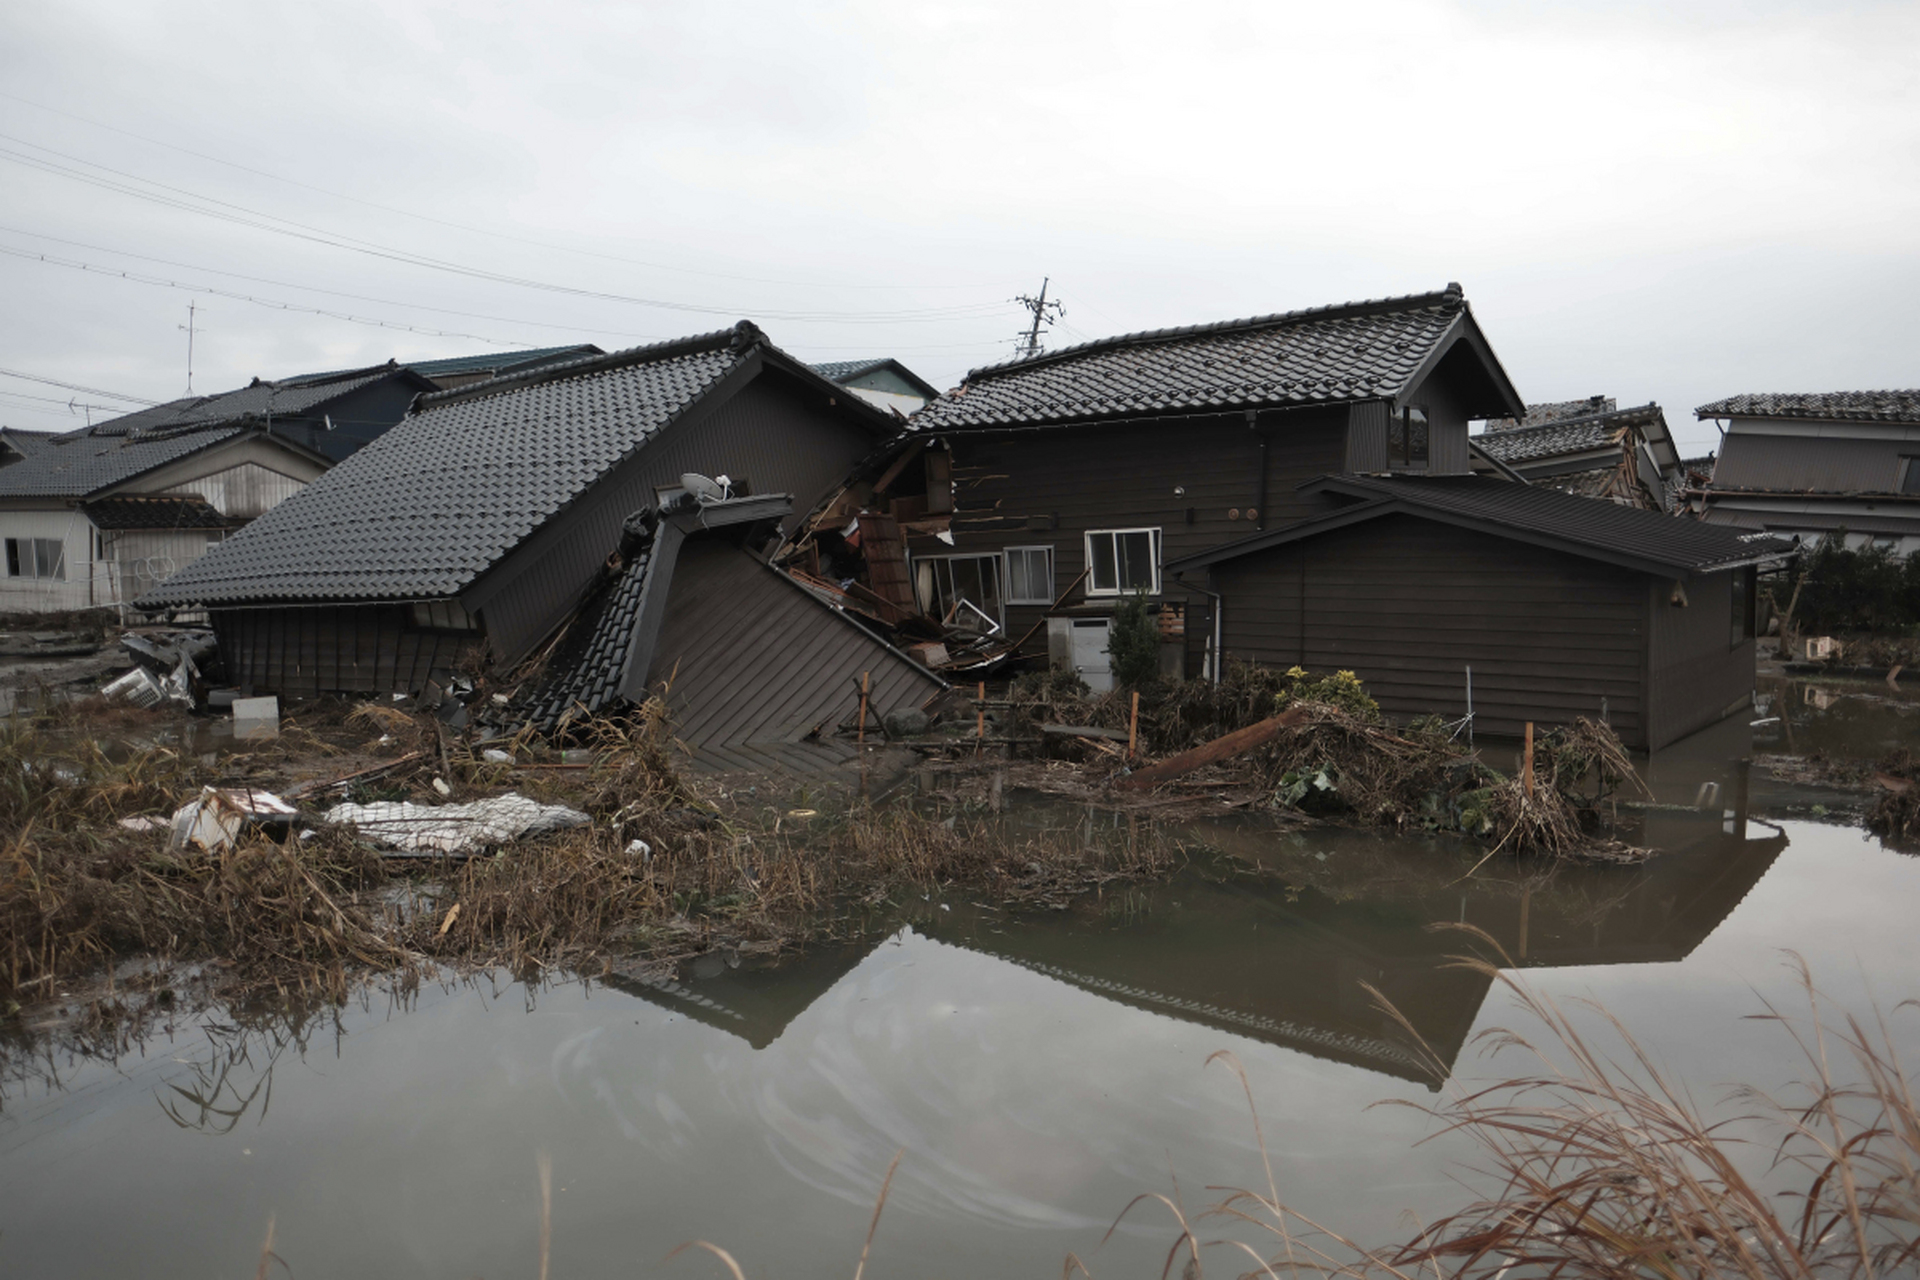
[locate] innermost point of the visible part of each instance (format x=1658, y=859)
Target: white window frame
x=1006, y=574
x=1117, y=590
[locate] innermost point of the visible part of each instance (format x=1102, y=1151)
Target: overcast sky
x=1648, y=201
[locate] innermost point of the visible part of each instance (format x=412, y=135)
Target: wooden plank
x=886, y=555
x=1237, y=743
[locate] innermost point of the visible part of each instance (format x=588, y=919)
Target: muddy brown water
x=1037, y=1070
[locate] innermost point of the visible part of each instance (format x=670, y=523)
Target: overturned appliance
x=741, y=653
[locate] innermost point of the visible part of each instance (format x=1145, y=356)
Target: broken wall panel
x=751, y=657
x=306, y=652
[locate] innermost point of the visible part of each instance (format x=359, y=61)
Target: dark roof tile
x=1866, y=406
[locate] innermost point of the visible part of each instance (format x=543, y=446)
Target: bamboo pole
x=861, y=740
x=1526, y=762
x=1133, y=726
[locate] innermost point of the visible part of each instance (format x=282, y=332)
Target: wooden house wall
x=1696, y=673
x=1367, y=436
x=1446, y=425
x=752, y=658
x=771, y=434
x=1409, y=604
x=351, y=649
x=1049, y=487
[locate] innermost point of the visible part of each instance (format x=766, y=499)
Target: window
x=1743, y=593
x=961, y=591
x=37, y=558
x=1910, y=474
x=1123, y=560
x=1407, y=437
x=1029, y=575
x=442, y=615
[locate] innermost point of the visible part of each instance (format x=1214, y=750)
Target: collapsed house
x=98, y=516
x=1809, y=466
x=1590, y=448
x=476, y=530
x=1469, y=596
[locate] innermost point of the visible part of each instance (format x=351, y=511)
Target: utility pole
x=1043, y=312
x=189, y=329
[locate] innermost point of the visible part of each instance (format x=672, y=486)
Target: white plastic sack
x=455, y=828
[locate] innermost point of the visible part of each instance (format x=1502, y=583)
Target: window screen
x=1029, y=575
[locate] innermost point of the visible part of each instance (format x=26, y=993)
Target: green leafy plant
x=1134, y=643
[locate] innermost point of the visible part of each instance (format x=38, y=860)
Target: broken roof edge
x=1374, y=504
x=1452, y=294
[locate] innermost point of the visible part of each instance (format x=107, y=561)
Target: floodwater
x=1037, y=1071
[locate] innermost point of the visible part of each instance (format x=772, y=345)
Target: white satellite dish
x=703, y=488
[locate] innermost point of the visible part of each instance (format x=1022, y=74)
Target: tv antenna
x=1043, y=312
x=189, y=329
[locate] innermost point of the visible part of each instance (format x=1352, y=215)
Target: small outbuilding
x=1458, y=595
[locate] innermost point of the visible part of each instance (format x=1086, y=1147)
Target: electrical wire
x=75, y=386
x=461, y=226
x=240, y=215
x=332, y=293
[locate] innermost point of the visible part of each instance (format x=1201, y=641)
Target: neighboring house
x=1811, y=465
x=1560, y=606
x=1596, y=451
x=460, y=371
x=484, y=520
x=883, y=381
x=1076, y=473
x=92, y=518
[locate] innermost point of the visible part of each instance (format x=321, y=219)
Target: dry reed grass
x=1599, y=1165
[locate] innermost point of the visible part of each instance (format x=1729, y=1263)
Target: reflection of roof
x=1645, y=540
x=158, y=511
x=1869, y=406
x=1354, y=351
x=425, y=509
x=755, y=1003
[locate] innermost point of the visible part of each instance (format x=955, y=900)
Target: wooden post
x=1133, y=726
x=862, y=739
x=1526, y=762
x=980, y=723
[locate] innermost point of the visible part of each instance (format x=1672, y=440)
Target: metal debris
x=424, y=830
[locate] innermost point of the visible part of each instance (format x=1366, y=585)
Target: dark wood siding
x=1048, y=488
x=303, y=652
x=769, y=434
x=1367, y=436
x=754, y=659
x=1696, y=670
x=1408, y=605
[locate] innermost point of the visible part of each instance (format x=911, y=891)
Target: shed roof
x=257, y=400
x=1863, y=406
x=1645, y=540
x=497, y=361
x=1324, y=355
x=155, y=511
x=425, y=509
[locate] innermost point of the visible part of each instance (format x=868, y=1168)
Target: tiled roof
x=1866, y=406
x=1608, y=531
x=1556, y=411
x=1333, y=354
x=257, y=400
x=841, y=370
x=496, y=360
x=583, y=676
x=425, y=509
x=1567, y=435
x=155, y=511
x=77, y=464
x=25, y=443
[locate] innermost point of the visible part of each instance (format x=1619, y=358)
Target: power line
x=332, y=293
x=460, y=226
x=140, y=277
x=75, y=386
x=243, y=216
